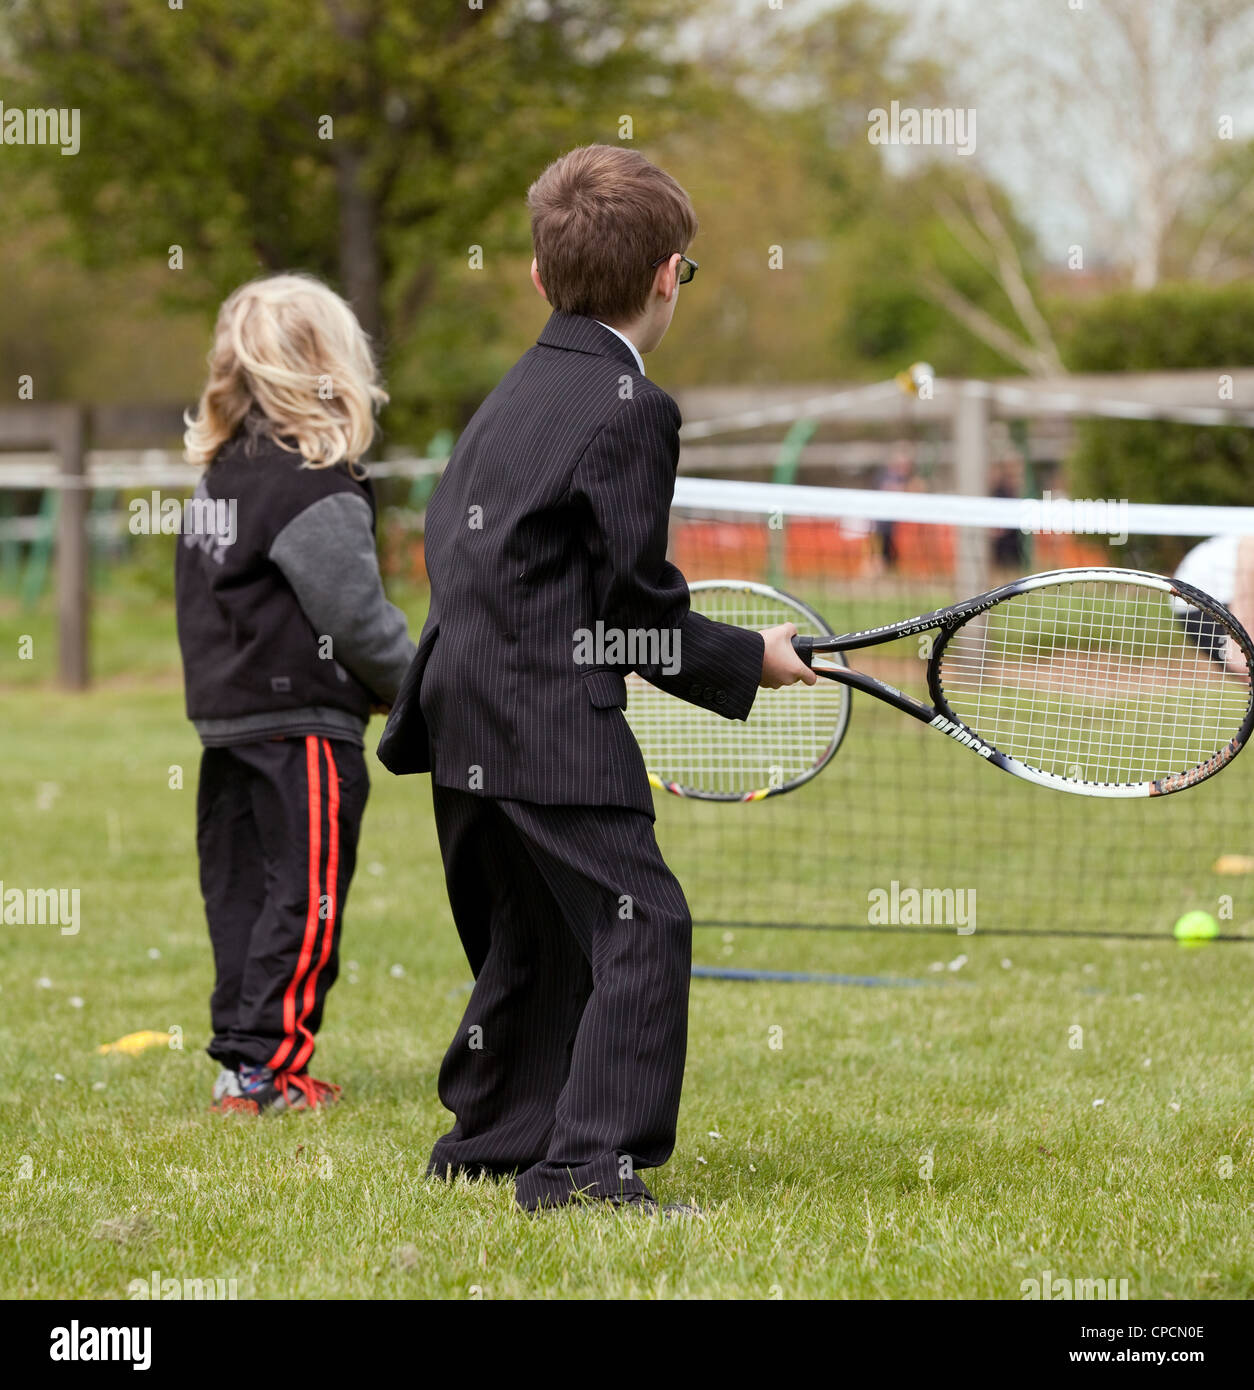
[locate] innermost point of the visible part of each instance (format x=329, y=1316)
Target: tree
x=978, y=218
x=943, y=267
x=1215, y=240
x=372, y=142
x=1110, y=115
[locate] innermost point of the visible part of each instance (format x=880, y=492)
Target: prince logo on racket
x=961, y=735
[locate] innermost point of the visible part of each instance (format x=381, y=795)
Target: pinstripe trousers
x=569, y=1061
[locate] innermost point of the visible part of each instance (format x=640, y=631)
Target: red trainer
x=250, y=1090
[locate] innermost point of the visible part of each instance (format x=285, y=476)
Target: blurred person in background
x=897, y=475
x=1008, y=548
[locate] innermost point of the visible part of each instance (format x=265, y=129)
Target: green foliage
x=207, y=129
x=200, y=130
x=889, y=320
x=1175, y=327
x=885, y=231
x=148, y=568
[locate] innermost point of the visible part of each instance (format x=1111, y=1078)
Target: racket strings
x=1093, y=681
x=786, y=735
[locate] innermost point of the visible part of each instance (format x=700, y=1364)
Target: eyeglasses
x=687, y=269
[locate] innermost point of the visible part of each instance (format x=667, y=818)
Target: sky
x=998, y=52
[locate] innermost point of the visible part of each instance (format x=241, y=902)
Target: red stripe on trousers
x=313, y=779
x=328, y=929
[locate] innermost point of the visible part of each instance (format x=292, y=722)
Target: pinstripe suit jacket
x=551, y=518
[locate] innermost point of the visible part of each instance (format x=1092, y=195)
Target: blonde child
x=288, y=643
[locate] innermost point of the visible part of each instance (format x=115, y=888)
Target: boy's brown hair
x=600, y=216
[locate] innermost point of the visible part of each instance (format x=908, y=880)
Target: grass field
x=946, y=1140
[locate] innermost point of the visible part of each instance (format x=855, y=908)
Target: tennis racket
x=786, y=740
x=1083, y=680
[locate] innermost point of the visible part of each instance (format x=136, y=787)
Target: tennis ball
x=1196, y=926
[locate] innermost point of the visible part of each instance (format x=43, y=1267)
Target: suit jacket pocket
x=404, y=746
x=606, y=689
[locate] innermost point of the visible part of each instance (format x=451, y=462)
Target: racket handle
x=804, y=647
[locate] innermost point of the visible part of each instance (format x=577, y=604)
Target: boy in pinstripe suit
x=550, y=523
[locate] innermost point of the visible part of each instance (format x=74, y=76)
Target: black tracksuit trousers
x=277, y=829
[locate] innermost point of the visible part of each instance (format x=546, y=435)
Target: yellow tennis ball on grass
x=1196, y=926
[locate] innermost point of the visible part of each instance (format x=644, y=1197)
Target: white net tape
x=719, y=495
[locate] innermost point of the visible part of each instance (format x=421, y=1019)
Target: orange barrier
x=1058, y=552
x=812, y=548
x=808, y=548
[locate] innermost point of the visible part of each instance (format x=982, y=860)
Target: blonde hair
x=289, y=348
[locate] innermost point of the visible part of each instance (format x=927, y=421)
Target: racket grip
x=804, y=647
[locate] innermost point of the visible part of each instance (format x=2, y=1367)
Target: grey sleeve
x=327, y=554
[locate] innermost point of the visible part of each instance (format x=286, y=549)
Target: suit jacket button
x=508, y=637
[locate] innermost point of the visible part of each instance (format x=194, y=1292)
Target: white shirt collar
x=635, y=351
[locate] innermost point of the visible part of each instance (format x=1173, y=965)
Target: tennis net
x=903, y=826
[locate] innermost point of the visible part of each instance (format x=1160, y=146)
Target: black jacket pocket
x=606, y=689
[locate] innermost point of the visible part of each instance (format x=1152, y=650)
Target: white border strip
x=944, y=508
x=1073, y=403
x=792, y=411
x=1032, y=401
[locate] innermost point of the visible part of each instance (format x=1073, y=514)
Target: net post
x=72, y=549
x=971, y=415
x=799, y=434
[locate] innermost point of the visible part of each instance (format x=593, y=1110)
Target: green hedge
x=1172, y=328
